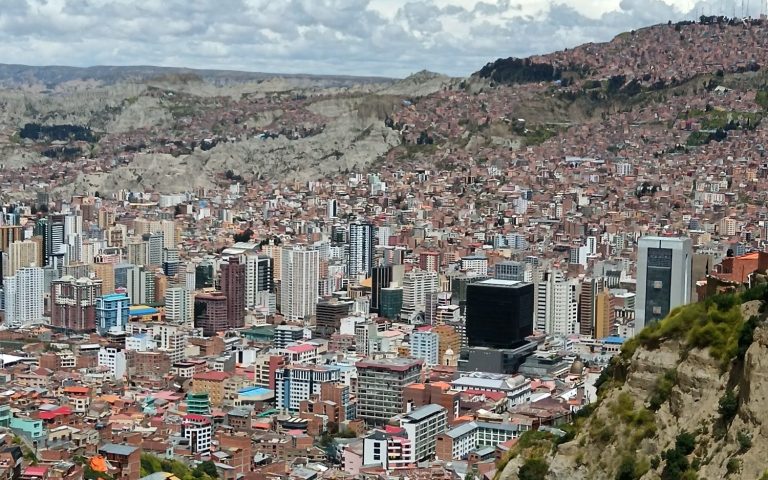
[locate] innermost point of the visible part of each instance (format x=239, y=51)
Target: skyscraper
x=22, y=254
x=258, y=278
x=663, y=277
x=73, y=304
x=361, y=243
x=211, y=313
x=425, y=345
x=179, y=306
x=417, y=284
x=381, y=277
x=299, y=283
x=24, y=297
x=233, y=286
x=556, y=304
x=499, y=313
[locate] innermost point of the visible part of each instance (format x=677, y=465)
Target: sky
x=391, y=38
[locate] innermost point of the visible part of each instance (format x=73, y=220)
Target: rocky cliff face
x=679, y=413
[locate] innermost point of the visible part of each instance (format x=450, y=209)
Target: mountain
x=685, y=399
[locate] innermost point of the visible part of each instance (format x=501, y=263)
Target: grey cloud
x=311, y=36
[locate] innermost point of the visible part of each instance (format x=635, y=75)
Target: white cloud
x=365, y=37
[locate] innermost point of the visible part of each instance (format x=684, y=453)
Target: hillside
x=686, y=399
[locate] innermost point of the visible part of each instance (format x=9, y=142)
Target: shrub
x=728, y=405
x=745, y=441
x=676, y=465
x=685, y=443
x=733, y=466
x=662, y=389
x=533, y=469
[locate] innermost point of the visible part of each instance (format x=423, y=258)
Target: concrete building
x=499, y=313
x=233, y=287
x=299, y=283
x=211, y=313
x=663, y=277
x=361, y=243
x=114, y=360
x=179, y=306
x=380, y=385
x=20, y=255
x=73, y=304
x=425, y=344
x=422, y=426
x=556, y=304
x=112, y=312
x=23, y=294
x=297, y=383
x=417, y=284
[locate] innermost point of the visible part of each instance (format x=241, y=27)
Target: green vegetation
x=538, y=135
x=662, y=389
x=761, y=98
x=533, y=469
x=152, y=464
x=631, y=469
x=745, y=441
x=733, y=466
x=677, y=465
x=728, y=406
x=532, y=444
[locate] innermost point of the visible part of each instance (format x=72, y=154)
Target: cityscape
x=518, y=271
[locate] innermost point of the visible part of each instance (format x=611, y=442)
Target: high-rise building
x=361, y=245
x=140, y=285
x=296, y=383
x=429, y=261
x=55, y=235
x=422, y=426
x=391, y=302
x=556, y=304
x=73, y=304
x=299, y=283
x=381, y=277
x=380, y=385
x=211, y=313
x=425, y=345
x=154, y=248
x=475, y=263
x=112, y=312
x=499, y=313
x=417, y=284
x=171, y=261
x=106, y=273
x=10, y=234
x=329, y=314
x=23, y=295
x=179, y=306
x=333, y=208
x=604, y=314
x=22, y=254
x=663, y=277
x=590, y=287
x=448, y=344
x=509, y=270
x=258, y=279
x=233, y=287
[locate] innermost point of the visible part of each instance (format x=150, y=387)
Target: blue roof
x=115, y=296
x=142, y=310
x=614, y=340
x=254, y=391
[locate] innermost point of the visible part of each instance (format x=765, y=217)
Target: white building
x=295, y=383
x=300, y=276
x=258, y=282
x=141, y=342
x=198, y=430
x=475, y=263
x=114, y=360
x=417, y=284
x=361, y=243
x=179, y=306
x=23, y=295
x=663, y=277
x=425, y=345
x=556, y=304
x=422, y=426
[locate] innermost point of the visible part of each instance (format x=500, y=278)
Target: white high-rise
x=24, y=297
x=417, y=285
x=299, y=282
x=556, y=304
x=425, y=345
x=179, y=305
x=663, y=277
x=258, y=279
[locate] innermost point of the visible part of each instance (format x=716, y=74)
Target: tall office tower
x=24, y=297
x=171, y=261
x=605, y=314
x=380, y=385
x=425, y=345
x=41, y=230
x=211, y=313
x=417, y=284
x=429, y=261
x=258, y=279
x=168, y=229
x=73, y=304
x=333, y=208
x=663, y=277
x=55, y=235
x=556, y=304
x=275, y=252
x=154, y=249
x=233, y=287
x=361, y=244
x=509, y=270
x=475, y=263
x=499, y=313
x=204, y=274
x=121, y=274
x=137, y=251
x=381, y=277
x=338, y=234
x=106, y=273
x=140, y=285
x=10, y=234
x=20, y=255
x=189, y=276
x=382, y=235
x=112, y=312
x=329, y=315
x=590, y=287
x=391, y=302
x=299, y=284
x=179, y=306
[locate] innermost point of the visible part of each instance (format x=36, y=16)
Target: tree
x=728, y=406
x=533, y=469
x=685, y=443
x=206, y=468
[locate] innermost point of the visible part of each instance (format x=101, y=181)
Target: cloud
x=364, y=37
